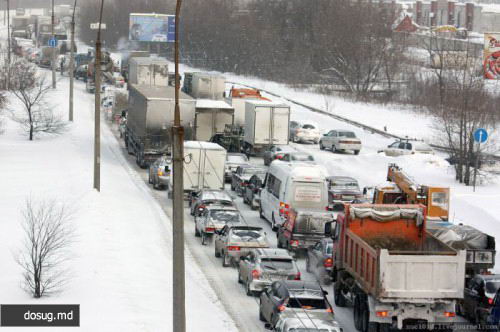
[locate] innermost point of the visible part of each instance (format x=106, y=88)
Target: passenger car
x=232, y=242
x=233, y=160
x=478, y=297
x=200, y=200
x=342, y=140
x=292, y=295
x=214, y=217
x=297, y=157
x=319, y=260
x=159, y=173
x=342, y=189
x=407, y=147
x=275, y=150
x=305, y=322
x=494, y=317
x=307, y=132
x=251, y=191
x=261, y=267
x=242, y=175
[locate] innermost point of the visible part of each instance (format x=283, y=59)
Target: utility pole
x=179, y=303
x=8, y=44
x=72, y=64
x=53, y=51
x=97, y=115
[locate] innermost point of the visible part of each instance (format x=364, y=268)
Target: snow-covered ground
x=122, y=263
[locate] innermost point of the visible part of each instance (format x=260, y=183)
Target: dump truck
x=148, y=71
x=238, y=97
x=211, y=117
x=204, y=85
x=266, y=123
x=150, y=118
x=47, y=55
x=204, y=165
x=393, y=272
x=404, y=190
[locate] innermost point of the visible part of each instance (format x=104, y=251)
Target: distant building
x=406, y=25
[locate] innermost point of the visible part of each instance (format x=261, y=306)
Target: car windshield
x=251, y=171
x=308, y=126
x=348, y=134
x=277, y=263
x=249, y=234
x=307, y=303
x=225, y=216
x=237, y=159
x=492, y=286
x=344, y=184
x=302, y=157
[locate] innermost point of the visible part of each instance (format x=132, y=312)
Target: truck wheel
x=338, y=296
x=196, y=232
x=356, y=152
x=321, y=147
x=356, y=314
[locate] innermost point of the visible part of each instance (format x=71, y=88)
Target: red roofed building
x=406, y=25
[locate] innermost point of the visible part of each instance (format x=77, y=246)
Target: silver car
x=261, y=267
x=233, y=160
x=214, y=218
x=159, y=173
x=301, y=321
x=232, y=242
x=304, y=132
x=340, y=140
x=319, y=260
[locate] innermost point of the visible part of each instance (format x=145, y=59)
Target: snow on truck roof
x=159, y=92
x=147, y=60
x=300, y=170
x=260, y=102
x=202, y=145
x=208, y=103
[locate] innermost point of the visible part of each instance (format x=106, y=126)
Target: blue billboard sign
x=152, y=27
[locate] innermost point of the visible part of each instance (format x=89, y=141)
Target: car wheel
x=216, y=253
x=204, y=238
x=334, y=149
x=225, y=260
x=321, y=147
x=247, y=286
x=273, y=224
x=240, y=281
x=232, y=187
x=149, y=178
x=196, y=232
x=356, y=152
x=261, y=215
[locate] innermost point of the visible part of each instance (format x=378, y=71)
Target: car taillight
x=281, y=308
x=209, y=229
x=337, y=196
x=160, y=173
x=284, y=208
x=294, y=243
x=449, y=314
x=330, y=310
x=201, y=207
x=278, y=156
x=328, y=262
x=383, y=313
x=255, y=274
x=244, y=184
x=297, y=276
x=490, y=301
x=233, y=248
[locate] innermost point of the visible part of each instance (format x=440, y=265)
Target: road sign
x=95, y=26
x=480, y=135
x=171, y=29
x=53, y=42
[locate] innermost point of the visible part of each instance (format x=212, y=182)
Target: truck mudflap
x=401, y=314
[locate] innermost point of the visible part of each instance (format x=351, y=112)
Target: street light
x=179, y=310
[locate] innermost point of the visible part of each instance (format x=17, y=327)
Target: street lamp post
x=72, y=63
x=179, y=310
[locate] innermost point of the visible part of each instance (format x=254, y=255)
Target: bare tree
x=48, y=235
x=31, y=90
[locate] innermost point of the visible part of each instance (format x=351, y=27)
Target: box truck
x=211, y=117
x=148, y=71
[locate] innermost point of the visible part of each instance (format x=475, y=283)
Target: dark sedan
x=319, y=260
x=342, y=189
x=251, y=192
x=242, y=175
x=276, y=151
x=478, y=299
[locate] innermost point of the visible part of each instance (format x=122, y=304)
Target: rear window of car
x=277, y=263
x=306, y=303
x=225, y=216
x=248, y=171
x=308, y=126
x=347, y=184
x=248, y=233
x=492, y=286
x=302, y=157
x=237, y=159
x=348, y=134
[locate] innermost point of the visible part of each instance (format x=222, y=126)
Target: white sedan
x=342, y=140
x=401, y=148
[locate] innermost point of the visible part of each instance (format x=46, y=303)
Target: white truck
x=211, y=117
x=148, y=71
x=266, y=124
x=204, y=85
x=204, y=165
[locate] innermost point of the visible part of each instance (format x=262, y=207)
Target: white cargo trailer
x=211, y=117
x=266, y=123
x=148, y=71
x=205, y=85
x=204, y=165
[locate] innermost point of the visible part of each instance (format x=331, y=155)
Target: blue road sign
x=53, y=42
x=171, y=29
x=480, y=135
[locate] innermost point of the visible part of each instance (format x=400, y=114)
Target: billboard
x=491, y=52
x=152, y=27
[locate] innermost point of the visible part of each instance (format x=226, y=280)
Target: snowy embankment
x=122, y=257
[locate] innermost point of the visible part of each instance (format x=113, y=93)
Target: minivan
x=292, y=185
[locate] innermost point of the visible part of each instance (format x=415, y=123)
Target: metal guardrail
x=352, y=122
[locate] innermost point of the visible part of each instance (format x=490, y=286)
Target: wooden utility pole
x=179, y=303
x=53, y=50
x=72, y=64
x=97, y=115
x=8, y=44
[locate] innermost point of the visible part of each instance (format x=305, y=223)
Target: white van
x=292, y=185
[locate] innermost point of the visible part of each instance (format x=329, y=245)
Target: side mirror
x=325, y=292
x=325, y=134
x=328, y=228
